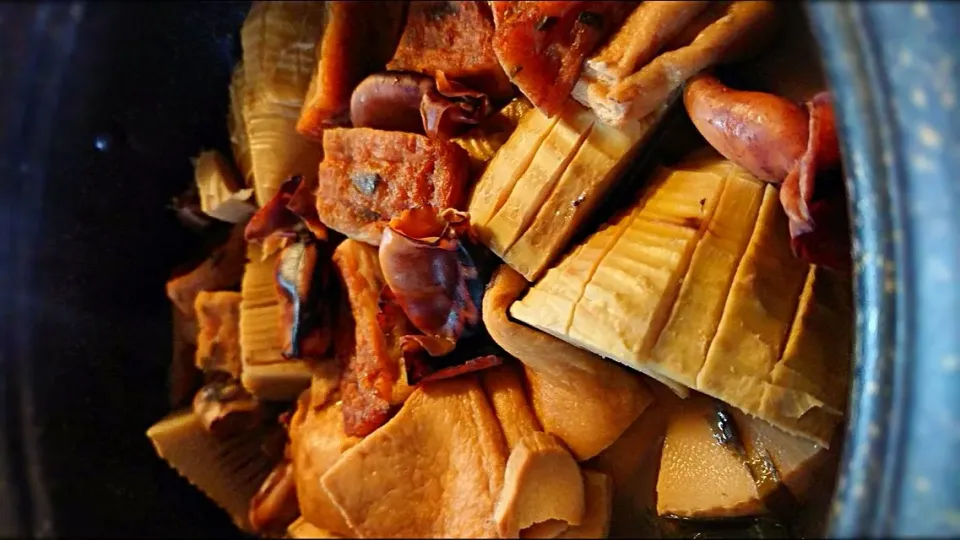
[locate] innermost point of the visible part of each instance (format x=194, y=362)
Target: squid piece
x=431, y=276
x=781, y=142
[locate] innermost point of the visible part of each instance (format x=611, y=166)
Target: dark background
x=88, y=337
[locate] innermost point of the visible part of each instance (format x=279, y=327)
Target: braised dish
x=516, y=269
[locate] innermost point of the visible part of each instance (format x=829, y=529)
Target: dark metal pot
x=102, y=103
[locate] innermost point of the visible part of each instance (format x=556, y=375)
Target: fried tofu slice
x=317, y=440
x=643, y=34
x=218, y=341
x=374, y=379
x=722, y=33
x=569, y=387
x=598, y=508
x=542, y=483
x=446, y=435
x=369, y=176
x=453, y=37
x=504, y=387
x=358, y=38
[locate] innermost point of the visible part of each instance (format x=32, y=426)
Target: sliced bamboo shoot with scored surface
x=266, y=373
x=584, y=183
x=697, y=287
x=237, y=125
x=758, y=314
x=681, y=348
x=279, y=41
x=632, y=275
x=228, y=471
x=483, y=141
x=538, y=180
x=507, y=165
x=808, y=386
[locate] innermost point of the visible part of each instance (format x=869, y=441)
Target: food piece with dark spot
x=367, y=342
x=545, y=60
x=358, y=39
x=453, y=37
x=414, y=170
x=226, y=409
x=218, y=339
x=275, y=506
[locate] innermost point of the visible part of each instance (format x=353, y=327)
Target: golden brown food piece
x=624, y=294
x=445, y=434
x=221, y=193
x=542, y=45
x=720, y=462
x=726, y=32
x=226, y=409
x=223, y=269
x=643, y=34
x=598, y=509
x=265, y=372
x=218, y=341
x=237, y=125
x=584, y=183
x=228, y=471
x=357, y=39
x=302, y=528
x=699, y=477
x=368, y=176
x=453, y=37
x=542, y=482
x=373, y=373
x=504, y=387
x=808, y=387
x=614, y=293
x=183, y=374
x=317, y=440
x=569, y=387
x=279, y=40
x=681, y=348
x=483, y=141
x=274, y=507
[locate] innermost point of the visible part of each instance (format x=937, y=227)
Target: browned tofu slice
x=446, y=435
